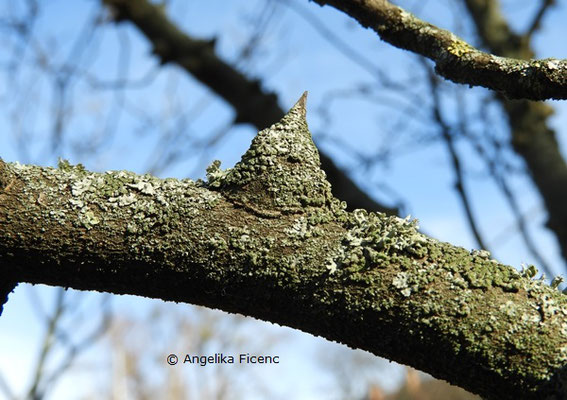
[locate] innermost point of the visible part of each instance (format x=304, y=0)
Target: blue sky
x=292, y=57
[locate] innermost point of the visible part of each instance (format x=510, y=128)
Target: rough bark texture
x=268, y=239
x=251, y=102
x=455, y=59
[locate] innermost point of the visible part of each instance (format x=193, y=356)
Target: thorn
x=301, y=104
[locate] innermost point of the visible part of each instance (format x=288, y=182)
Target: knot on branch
x=280, y=172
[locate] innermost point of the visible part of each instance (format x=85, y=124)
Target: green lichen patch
x=459, y=48
x=280, y=172
x=65, y=165
x=215, y=175
x=371, y=238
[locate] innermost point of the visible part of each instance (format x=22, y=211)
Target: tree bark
x=268, y=239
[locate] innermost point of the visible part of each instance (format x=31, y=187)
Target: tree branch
x=455, y=59
x=267, y=239
x=251, y=103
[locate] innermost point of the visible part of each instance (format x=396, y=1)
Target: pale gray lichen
x=400, y=281
x=553, y=64
x=143, y=187
x=331, y=265
x=76, y=203
x=509, y=308
x=146, y=200
x=80, y=186
x=481, y=253
x=372, y=236
x=124, y=200
x=556, y=281
x=215, y=175
x=58, y=215
x=300, y=228
x=88, y=218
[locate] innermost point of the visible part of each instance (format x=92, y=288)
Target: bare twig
x=56, y=336
x=342, y=46
x=36, y=389
x=449, y=140
x=544, y=6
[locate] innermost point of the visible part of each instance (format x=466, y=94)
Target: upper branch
x=268, y=239
x=455, y=59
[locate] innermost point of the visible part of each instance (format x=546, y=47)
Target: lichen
x=371, y=237
x=215, y=175
x=459, y=48
x=400, y=282
x=88, y=218
x=66, y=166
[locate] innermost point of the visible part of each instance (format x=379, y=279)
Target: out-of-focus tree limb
x=251, y=102
x=532, y=138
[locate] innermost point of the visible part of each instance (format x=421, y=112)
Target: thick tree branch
x=252, y=103
x=455, y=59
x=268, y=239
